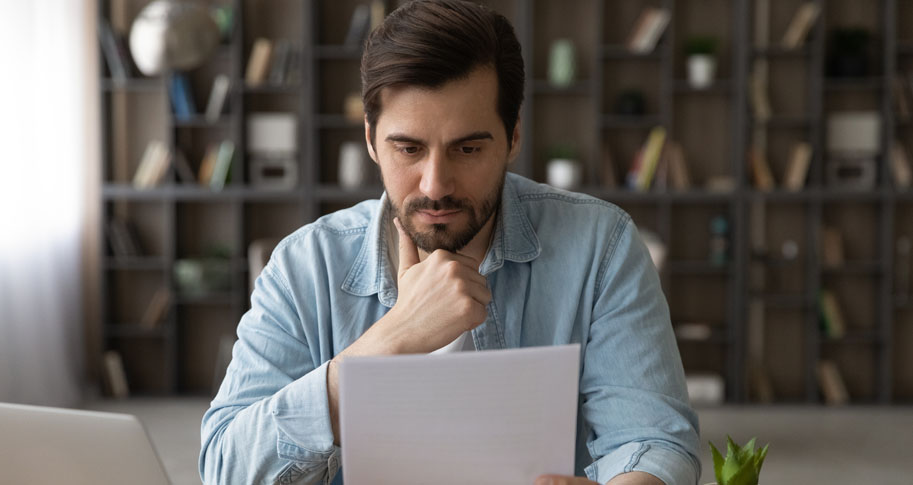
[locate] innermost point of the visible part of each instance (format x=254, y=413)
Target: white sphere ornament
x=172, y=35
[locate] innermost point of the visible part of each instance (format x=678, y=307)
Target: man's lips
x=437, y=216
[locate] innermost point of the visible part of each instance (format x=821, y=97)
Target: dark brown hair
x=431, y=42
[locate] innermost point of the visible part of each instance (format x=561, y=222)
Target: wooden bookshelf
x=714, y=126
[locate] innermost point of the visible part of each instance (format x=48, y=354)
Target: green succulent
x=742, y=465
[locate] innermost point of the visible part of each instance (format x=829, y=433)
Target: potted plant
x=563, y=170
x=742, y=465
x=701, y=58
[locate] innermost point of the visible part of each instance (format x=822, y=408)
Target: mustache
x=446, y=203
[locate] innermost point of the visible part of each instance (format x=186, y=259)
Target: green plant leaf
x=731, y=447
x=717, y=463
x=746, y=453
x=745, y=475
x=731, y=467
x=759, y=458
x=749, y=447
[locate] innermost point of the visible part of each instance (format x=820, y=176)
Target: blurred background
x=763, y=147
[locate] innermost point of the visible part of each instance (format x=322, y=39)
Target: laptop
x=43, y=445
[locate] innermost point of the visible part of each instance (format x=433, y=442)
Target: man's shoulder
x=332, y=231
x=544, y=204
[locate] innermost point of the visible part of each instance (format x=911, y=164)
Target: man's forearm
x=368, y=344
x=635, y=478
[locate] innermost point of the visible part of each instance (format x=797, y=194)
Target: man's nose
x=437, y=179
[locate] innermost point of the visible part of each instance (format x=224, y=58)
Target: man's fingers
x=408, y=253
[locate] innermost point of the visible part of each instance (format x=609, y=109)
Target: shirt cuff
x=667, y=465
x=302, y=416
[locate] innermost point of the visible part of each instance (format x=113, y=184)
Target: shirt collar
x=514, y=240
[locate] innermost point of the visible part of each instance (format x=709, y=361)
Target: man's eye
x=468, y=150
x=409, y=150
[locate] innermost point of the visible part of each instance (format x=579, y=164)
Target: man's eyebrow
x=402, y=138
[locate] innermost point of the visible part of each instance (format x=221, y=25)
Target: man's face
x=443, y=155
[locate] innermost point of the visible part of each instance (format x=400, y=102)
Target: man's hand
x=632, y=478
x=439, y=299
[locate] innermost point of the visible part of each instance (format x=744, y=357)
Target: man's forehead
x=458, y=108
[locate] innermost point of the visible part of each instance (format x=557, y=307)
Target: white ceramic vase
x=564, y=173
x=353, y=165
x=701, y=70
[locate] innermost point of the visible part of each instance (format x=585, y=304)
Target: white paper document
x=500, y=417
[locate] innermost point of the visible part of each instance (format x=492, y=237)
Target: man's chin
x=430, y=238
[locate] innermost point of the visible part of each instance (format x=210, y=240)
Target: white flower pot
x=564, y=173
x=701, y=70
x=353, y=165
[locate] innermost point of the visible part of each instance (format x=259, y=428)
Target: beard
x=446, y=236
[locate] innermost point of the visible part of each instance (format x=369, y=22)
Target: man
x=456, y=255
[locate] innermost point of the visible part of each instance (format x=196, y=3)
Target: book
x=359, y=24
x=831, y=247
x=900, y=166
x=115, y=376
x=831, y=383
x=208, y=164
x=679, y=176
x=153, y=165
x=832, y=322
x=760, y=101
x=279, y=62
x=221, y=170
x=123, y=238
x=117, y=57
x=182, y=101
x=801, y=24
x=797, y=168
x=157, y=308
x=221, y=86
x=760, y=169
x=258, y=63
x=648, y=29
x=651, y=153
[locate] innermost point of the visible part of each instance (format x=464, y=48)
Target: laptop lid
x=53, y=445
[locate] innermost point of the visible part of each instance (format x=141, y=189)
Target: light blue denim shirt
x=562, y=268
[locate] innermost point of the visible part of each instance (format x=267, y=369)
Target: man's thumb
x=408, y=254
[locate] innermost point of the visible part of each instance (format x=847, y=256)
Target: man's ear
x=515, y=143
x=368, y=140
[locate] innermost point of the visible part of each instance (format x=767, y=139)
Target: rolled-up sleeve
x=270, y=423
x=635, y=402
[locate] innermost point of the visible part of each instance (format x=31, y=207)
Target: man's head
x=442, y=83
